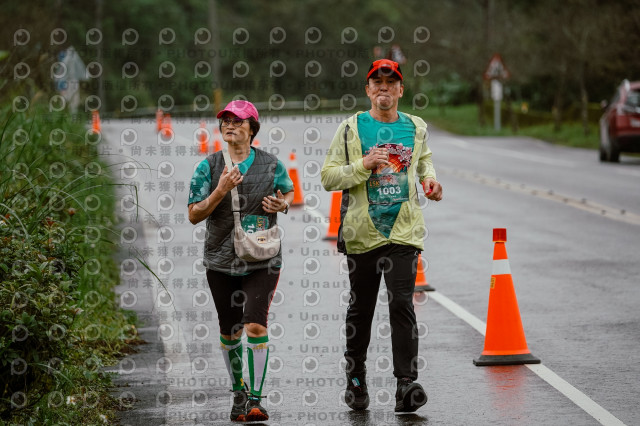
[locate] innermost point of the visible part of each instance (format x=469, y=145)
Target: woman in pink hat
x=242, y=290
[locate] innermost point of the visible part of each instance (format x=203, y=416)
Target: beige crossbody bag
x=255, y=246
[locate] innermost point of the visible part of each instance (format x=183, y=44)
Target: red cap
x=385, y=67
x=499, y=235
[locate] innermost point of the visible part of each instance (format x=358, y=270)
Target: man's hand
x=432, y=189
x=229, y=180
x=376, y=157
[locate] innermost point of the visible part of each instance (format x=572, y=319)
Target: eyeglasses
x=236, y=121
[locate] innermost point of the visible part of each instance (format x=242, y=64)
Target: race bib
x=388, y=188
x=252, y=223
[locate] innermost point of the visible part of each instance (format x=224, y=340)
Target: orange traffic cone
x=298, y=199
x=203, y=138
x=159, y=115
x=421, y=280
x=167, y=129
x=334, y=216
x=96, y=127
x=217, y=145
x=256, y=143
x=504, y=342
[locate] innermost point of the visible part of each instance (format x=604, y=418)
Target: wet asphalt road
x=573, y=255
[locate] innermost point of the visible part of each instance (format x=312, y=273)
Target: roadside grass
x=59, y=320
x=463, y=120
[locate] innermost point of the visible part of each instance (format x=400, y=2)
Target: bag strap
x=235, y=199
x=346, y=150
x=344, y=204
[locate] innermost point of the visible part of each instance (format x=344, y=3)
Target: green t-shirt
x=397, y=137
x=201, y=181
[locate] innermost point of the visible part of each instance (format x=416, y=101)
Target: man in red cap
x=375, y=158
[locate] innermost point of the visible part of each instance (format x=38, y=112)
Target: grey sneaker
x=410, y=396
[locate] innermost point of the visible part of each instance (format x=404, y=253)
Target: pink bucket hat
x=242, y=109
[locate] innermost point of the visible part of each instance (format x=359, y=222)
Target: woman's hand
x=229, y=180
x=271, y=204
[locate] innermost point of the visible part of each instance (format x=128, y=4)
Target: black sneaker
x=410, y=396
x=255, y=411
x=356, y=395
x=238, y=409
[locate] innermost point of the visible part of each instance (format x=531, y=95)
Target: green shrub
x=59, y=323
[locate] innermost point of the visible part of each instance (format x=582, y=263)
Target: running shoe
x=356, y=395
x=255, y=411
x=238, y=409
x=410, y=396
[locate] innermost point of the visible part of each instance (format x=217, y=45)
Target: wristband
x=286, y=209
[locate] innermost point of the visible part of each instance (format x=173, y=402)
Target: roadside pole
x=496, y=95
x=496, y=72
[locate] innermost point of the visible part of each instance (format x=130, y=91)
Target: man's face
x=384, y=91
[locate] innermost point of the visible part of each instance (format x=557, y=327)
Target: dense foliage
x=559, y=53
x=59, y=323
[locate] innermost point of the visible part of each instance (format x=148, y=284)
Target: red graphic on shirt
x=399, y=158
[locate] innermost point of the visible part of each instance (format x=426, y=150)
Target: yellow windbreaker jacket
x=359, y=233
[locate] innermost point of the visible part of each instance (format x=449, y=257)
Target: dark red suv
x=620, y=123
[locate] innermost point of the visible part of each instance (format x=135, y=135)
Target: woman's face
x=235, y=133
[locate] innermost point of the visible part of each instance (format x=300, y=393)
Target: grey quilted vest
x=257, y=183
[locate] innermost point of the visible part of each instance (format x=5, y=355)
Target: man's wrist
x=286, y=207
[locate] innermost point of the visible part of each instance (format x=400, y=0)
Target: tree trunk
x=99, y=13
x=584, y=97
x=513, y=112
x=214, y=45
x=487, y=8
x=480, y=101
x=584, y=104
x=559, y=98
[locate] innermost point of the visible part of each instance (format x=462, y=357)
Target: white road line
x=513, y=154
x=315, y=213
x=580, y=399
x=459, y=311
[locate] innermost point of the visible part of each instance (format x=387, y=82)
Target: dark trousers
x=398, y=263
x=242, y=299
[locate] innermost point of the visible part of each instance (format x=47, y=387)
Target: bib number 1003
x=389, y=190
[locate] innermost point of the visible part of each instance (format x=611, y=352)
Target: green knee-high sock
x=232, y=355
x=258, y=355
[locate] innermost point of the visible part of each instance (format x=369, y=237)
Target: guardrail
x=272, y=107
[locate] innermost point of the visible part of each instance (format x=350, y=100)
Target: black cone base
x=419, y=288
x=519, y=359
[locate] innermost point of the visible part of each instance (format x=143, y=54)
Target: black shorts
x=242, y=299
